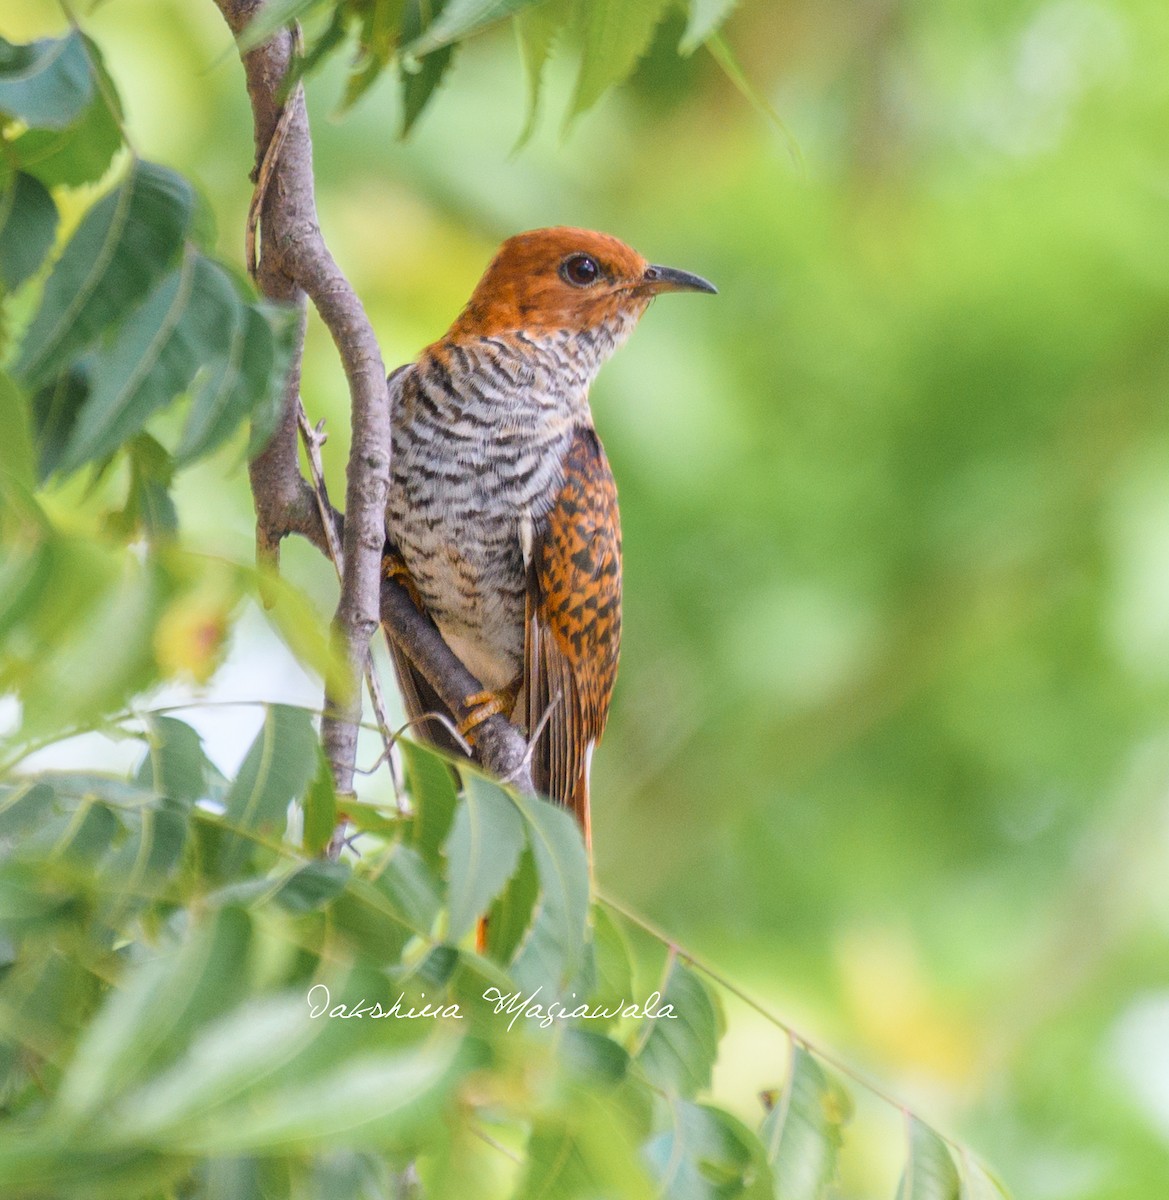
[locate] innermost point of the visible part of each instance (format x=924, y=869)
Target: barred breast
x=481, y=431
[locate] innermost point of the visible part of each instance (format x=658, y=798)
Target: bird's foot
x=394, y=567
x=480, y=706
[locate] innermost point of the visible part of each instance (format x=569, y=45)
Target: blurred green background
x=891, y=739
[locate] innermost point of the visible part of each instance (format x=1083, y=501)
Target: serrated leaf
x=930, y=1173
x=46, y=84
x=433, y=798
x=54, y=410
x=320, y=807
x=83, y=150
x=411, y=887
x=236, y=383
x=536, y=29
x=803, y=1133
x=708, y=1155
x=419, y=77
x=459, y=19
x=140, y=866
x=615, y=34
x=175, y=765
x=377, y=41
x=680, y=1051
x=28, y=225
x=149, y=506
x=283, y=327
x=482, y=850
x=124, y=245
x=154, y=357
x=554, y=948
x=511, y=914
x=275, y=772
x=705, y=17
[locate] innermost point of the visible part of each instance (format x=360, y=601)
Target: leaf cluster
x=133, y=312
x=188, y=992
x=419, y=38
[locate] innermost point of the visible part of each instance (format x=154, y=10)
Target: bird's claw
x=481, y=706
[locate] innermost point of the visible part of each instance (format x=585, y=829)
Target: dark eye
x=580, y=270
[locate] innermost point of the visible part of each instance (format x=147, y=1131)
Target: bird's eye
x=580, y=270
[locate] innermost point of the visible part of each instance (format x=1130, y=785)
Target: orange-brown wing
x=574, y=624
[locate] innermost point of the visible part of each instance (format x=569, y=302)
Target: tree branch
x=293, y=261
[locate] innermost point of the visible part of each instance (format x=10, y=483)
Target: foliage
x=421, y=37
x=890, y=742
x=187, y=996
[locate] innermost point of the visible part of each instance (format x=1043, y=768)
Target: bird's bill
x=670, y=279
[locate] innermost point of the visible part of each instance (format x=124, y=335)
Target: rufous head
x=566, y=279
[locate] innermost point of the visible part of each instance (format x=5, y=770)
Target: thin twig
x=313, y=438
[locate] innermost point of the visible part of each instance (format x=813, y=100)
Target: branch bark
x=294, y=261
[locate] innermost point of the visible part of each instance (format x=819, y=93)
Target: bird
x=501, y=517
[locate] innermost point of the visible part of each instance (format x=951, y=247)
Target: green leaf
x=17, y=457
x=175, y=765
x=612, y=964
x=459, y=19
x=243, y=1089
x=536, y=29
x=283, y=326
x=25, y=807
x=141, y=866
x=248, y=368
x=28, y=225
x=803, y=1132
x=82, y=151
x=554, y=948
x=54, y=409
x=273, y=16
x=680, y=1051
x=590, y=1156
x=411, y=888
x=124, y=245
x=708, y=1155
x=313, y=886
x=978, y=1183
x=431, y=784
x=482, y=850
x=511, y=914
x=46, y=84
x=930, y=1173
x=154, y=1015
x=275, y=772
x=419, y=77
x=705, y=17
x=616, y=34
x=148, y=507
x=377, y=42
x=320, y=807
x=154, y=357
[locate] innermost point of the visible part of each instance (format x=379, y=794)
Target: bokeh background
x=890, y=746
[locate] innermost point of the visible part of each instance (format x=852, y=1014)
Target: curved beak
x=668, y=279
